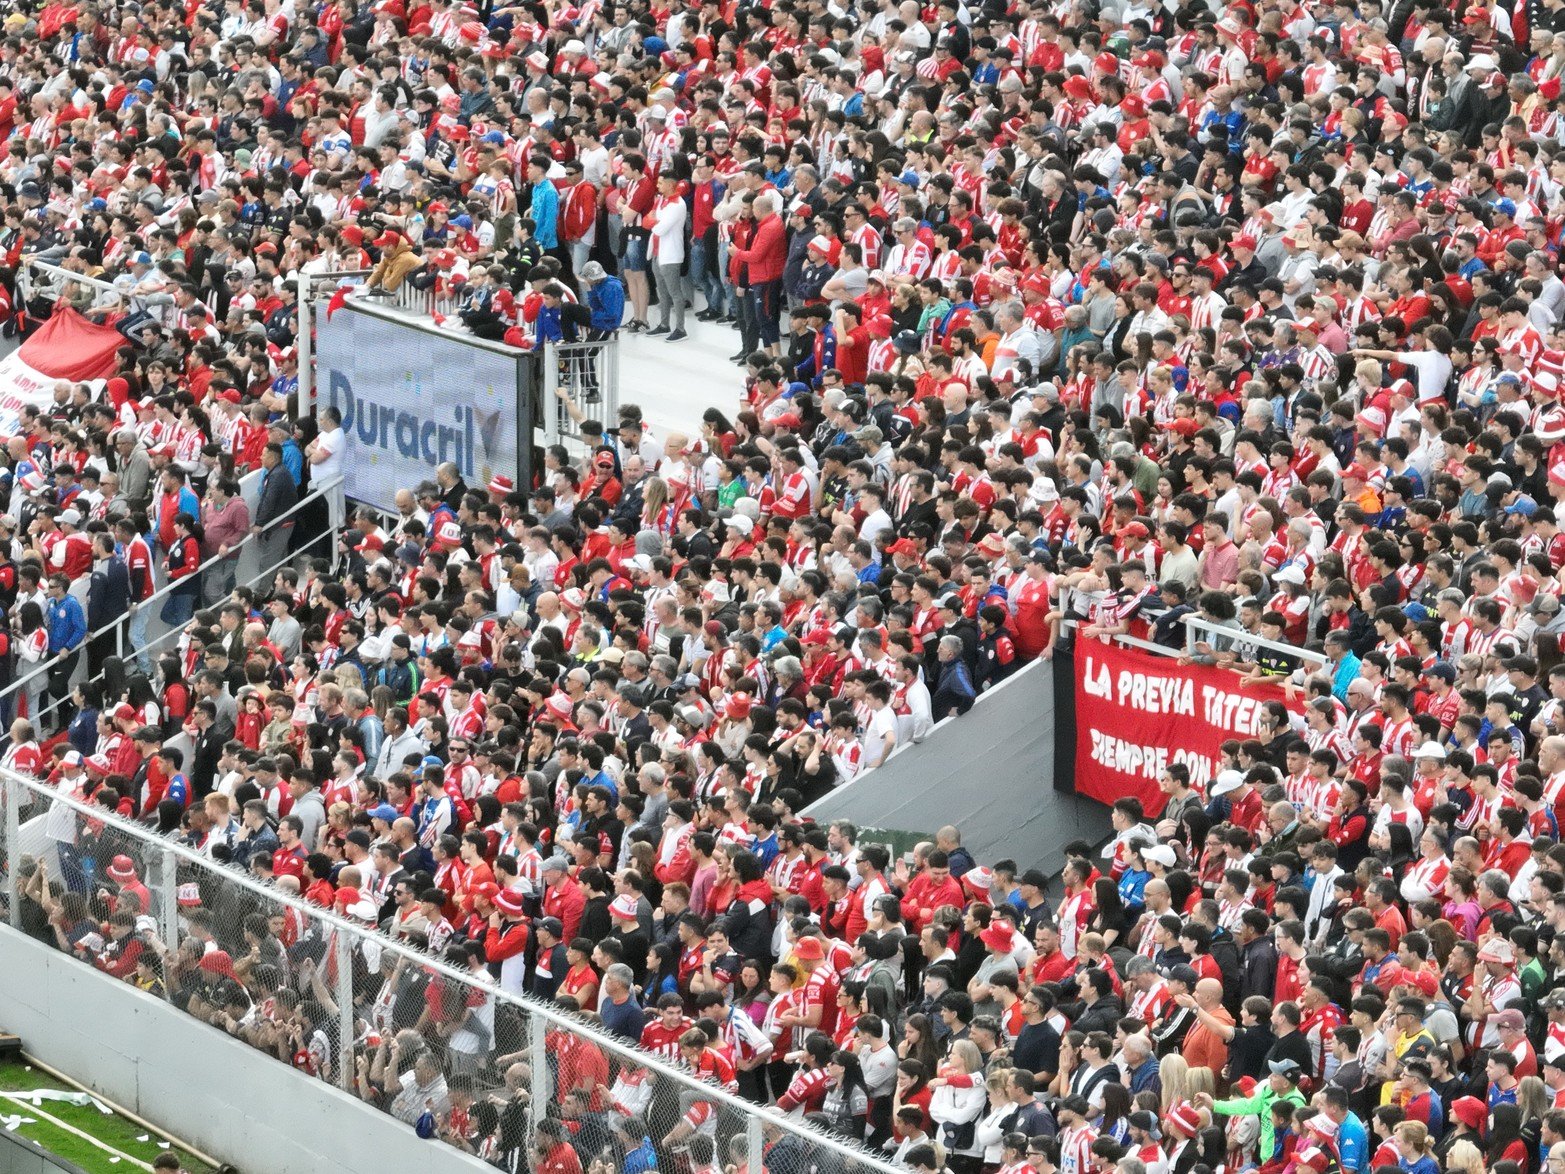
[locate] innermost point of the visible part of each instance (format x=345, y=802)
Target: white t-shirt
x=330, y=443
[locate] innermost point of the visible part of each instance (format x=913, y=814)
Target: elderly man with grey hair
x=954, y=695
x=135, y=467
x=652, y=781
x=1019, y=341
x=621, y=1014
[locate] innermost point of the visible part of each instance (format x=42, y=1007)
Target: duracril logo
x=417, y=435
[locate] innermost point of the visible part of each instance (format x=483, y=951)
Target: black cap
x=1184, y=973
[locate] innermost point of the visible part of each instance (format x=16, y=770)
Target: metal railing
x=43, y=279
x=583, y=376
x=1220, y=637
x=330, y=493
x=350, y=1003
x=1237, y=639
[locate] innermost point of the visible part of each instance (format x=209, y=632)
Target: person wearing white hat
x=1160, y=857
x=61, y=824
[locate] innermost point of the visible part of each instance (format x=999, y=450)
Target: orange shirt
x=1204, y=1048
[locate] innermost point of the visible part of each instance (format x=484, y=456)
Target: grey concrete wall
x=220, y=1095
x=991, y=772
x=20, y=1156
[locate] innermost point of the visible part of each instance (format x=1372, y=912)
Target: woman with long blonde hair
x=1463, y=1158
x=1174, y=1075
x=654, y=497
x=1200, y=1080
x=1533, y=1099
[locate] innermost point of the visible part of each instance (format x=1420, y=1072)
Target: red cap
x=509, y=903
x=809, y=949
x=1470, y=1111
x=1357, y=472
x=903, y=546
x=1185, y=1117
x=997, y=936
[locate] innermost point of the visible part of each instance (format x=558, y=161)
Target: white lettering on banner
x=1147, y=692
x=1136, y=759
x=1156, y=693
x=1096, y=681
x=1234, y=712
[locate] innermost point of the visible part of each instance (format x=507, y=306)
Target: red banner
x=67, y=346
x=1136, y=712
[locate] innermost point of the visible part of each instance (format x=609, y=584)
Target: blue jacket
x=67, y=624
x=606, y=300
x=545, y=211
x=549, y=328
x=1347, y=673
x=954, y=691
x=293, y=461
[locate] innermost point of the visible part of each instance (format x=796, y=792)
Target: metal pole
x=344, y=995
x=538, y=1057
x=13, y=836
x=755, y=1162
x=551, y=405
x=168, y=909
x=306, y=321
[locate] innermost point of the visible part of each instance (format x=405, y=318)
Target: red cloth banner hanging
x=1136, y=712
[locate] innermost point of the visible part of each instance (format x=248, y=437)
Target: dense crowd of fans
x=1057, y=322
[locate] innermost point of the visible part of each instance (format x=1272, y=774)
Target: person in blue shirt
x=1133, y=883
x=605, y=298
x=293, y=456
x=640, y=1154
x=1351, y=1135
x=545, y=206
x=775, y=634
x=67, y=624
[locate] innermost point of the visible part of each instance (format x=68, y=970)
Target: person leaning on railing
x=278, y=495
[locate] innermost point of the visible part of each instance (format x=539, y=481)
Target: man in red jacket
x=929, y=890
x=563, y=898
x=762, y=263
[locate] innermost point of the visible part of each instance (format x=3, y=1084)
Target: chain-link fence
x=395, y=1002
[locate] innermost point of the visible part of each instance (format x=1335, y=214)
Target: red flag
x=338, y=301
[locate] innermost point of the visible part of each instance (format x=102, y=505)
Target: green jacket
x=1260, y=1102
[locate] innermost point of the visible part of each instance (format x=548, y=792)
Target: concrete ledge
x=20, y=1156
x=220, y=1095
x=993, y=772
